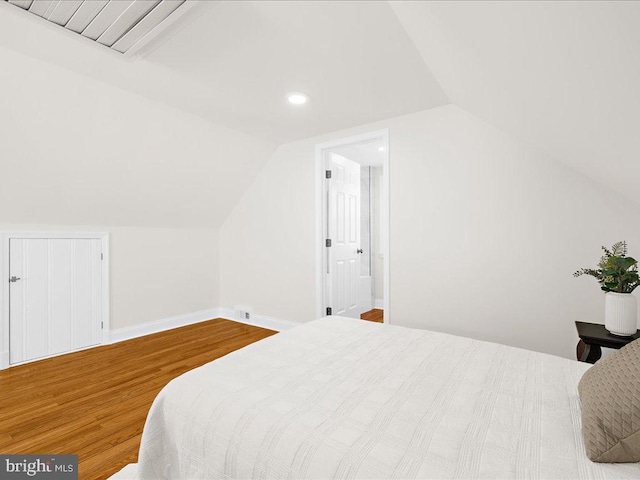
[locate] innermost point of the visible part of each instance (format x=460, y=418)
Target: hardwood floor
x=375, y=315
x=94, y=403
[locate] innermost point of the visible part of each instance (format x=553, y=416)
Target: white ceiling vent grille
x=118, y=24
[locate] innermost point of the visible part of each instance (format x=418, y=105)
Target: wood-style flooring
x=375, y=315
x=94, y=403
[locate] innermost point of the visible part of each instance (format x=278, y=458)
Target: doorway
x=353, y=226
x=56, y=295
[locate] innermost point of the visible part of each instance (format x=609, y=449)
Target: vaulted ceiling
x=234, y=62
x=563, y=76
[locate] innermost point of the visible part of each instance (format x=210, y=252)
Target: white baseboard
x=378, y=303
x=127, y=333
x=148, y=328
x=134, y=331
x=269, y=323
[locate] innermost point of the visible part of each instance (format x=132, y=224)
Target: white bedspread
x=342, y=398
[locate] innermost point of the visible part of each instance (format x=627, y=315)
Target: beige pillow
x=610, y=397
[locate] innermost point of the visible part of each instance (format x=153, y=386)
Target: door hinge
x=102, y=256
x=327, y=242
x=328, y=310
x=327, y=174
x=102, y=325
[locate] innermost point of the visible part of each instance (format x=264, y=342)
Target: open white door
x=346, y=282
x=343, y=228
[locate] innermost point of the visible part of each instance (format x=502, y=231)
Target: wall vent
x=118, y=24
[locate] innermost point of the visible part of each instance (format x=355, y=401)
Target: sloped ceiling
x=76, y=151
x=564, y=76
x=234, y=62
x=82, y=147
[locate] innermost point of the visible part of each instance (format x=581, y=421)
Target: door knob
x=359, y=250
x=14, y=279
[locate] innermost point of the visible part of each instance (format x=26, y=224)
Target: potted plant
x=617, y=275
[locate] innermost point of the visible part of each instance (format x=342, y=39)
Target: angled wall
x=485, y=234
x=77, y=154
x=77, y=151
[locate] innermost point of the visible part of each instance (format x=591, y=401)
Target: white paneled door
x=343, y=227
x=55, y=296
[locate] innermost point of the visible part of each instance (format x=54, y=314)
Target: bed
x=344, y=398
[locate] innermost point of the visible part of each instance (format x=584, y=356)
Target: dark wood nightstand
x=593, y=336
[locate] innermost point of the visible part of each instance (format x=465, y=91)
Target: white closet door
x=55, y=296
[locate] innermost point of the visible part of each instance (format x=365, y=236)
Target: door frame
x=5, y=236
x=321, y=216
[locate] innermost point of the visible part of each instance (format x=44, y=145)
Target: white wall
x=485, y=234
x=267, y=256
x=378, y=259
x=155, y=273
x=158, y=273
x=76, y=151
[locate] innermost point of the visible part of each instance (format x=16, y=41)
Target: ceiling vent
x=122, y=25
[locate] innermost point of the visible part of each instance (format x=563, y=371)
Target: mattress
x=344, y=398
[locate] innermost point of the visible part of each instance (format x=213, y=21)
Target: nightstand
x=593, y=336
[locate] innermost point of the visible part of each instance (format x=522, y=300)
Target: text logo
x=49, y=467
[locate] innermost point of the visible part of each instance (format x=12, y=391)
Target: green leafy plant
x=616, y=272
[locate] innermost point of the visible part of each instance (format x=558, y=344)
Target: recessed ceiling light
x=297, y=98
x=381, y=149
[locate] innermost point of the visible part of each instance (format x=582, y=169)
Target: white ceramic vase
x=620, y=313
